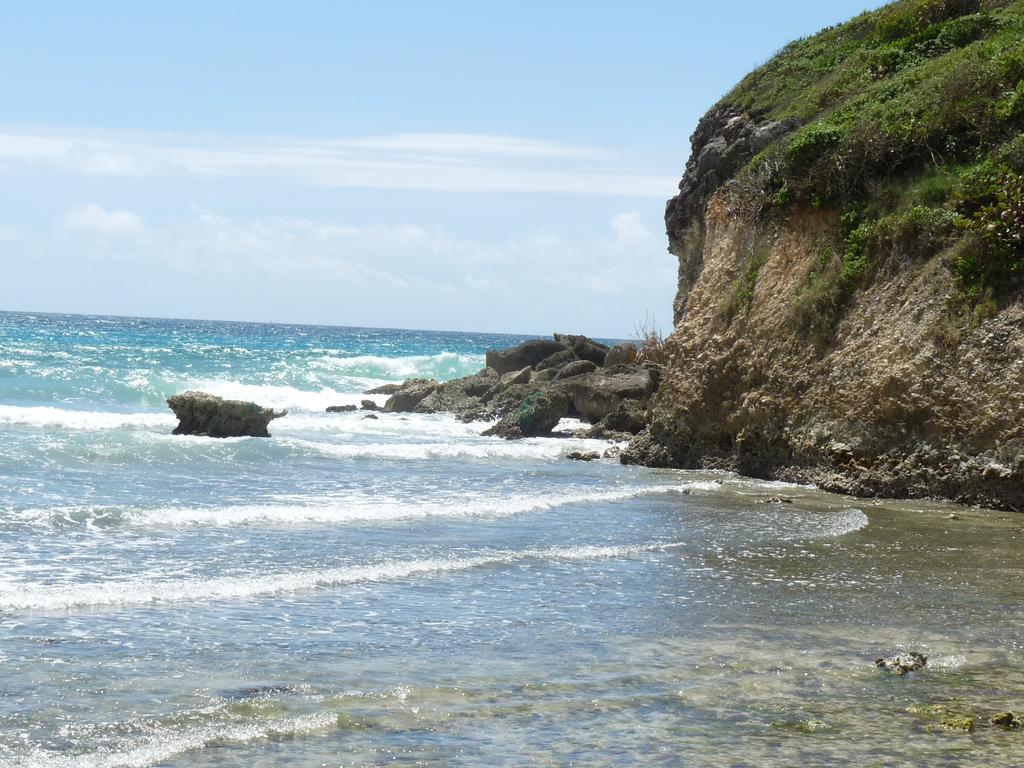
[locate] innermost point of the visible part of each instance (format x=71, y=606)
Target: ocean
x=403, y=591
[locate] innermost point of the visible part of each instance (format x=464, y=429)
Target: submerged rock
x=342, y=408
x=958, y=723
x=200, y=413
x=583, y=455
x=1008, y=720
x=903, y=663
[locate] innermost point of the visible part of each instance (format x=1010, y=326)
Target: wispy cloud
x=91, y=219
x=446, y=162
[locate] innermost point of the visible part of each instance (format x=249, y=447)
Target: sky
x=438, y=165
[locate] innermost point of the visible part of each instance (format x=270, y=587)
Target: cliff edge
x=850, y=236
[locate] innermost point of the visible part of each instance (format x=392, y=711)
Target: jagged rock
x=903, y=663
x=613, y=452
x=584, y=348
x=544, y=374
x=538, y=414
x=556, y=361
x=342, y=408
x=596, y=395
x=463, y=395
x=575, y=368
x=628, y=417
x=384, y=389
x=410, y=395
x=726, y=139
x=519, y=377
x=200, y=413
x=370, y=416
x=369, y=405
x=527, y=354
x=623, y=353
x=583, y=455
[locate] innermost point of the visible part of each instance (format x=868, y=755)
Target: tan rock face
x=906, y=398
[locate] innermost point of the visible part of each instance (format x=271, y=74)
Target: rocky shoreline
x=529, y=388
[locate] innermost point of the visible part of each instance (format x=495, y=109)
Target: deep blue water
x=404, y=591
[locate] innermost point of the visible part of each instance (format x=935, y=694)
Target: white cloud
x=631, y=232
x=93, y=220
x=448, y=162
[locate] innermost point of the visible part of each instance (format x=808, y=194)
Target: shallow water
x=403, y=591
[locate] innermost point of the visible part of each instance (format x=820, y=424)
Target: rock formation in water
x=203, y=414
x=532, y=386
x=850, y=237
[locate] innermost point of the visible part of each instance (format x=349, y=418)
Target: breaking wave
x=137, y=592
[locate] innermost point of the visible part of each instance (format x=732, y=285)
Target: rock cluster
x=200, y=413
x=532, y=386
x=903, y=663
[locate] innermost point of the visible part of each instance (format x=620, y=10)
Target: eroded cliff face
x=905, y=397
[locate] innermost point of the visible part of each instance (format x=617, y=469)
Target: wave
x=167, y=743
x=538, y=449
x=444, y=365
x=368, y=509
x=140, y=592
x=46, y=416
x=283, y=396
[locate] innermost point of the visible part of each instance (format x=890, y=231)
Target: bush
x=651, y=345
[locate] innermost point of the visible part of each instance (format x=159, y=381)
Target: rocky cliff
x=850, y=236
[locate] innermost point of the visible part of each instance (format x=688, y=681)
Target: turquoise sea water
x=403, y=591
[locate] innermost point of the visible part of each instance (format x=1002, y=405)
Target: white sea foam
x=352, y=508
x=538, y=449
x=137, y=592
x=166, y=743
x=282, y=396
x=441, y=365
x=46, y=416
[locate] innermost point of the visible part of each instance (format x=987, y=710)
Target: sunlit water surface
x=403, y=591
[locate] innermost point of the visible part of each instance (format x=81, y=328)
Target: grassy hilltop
x=911, y=124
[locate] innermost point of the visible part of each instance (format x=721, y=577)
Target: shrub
x=651, y=345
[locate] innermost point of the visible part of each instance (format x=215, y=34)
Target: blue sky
x=451, y=165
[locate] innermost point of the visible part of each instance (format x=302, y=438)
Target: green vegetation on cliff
x=910, y=126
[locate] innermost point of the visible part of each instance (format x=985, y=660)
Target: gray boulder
x=527, y=354
x=575, y=368
x=596, y=395
x=584, y=348
x=538, y=414
x=410, y=395
x=557, y=360
x=384, y=389
x=200, y=413
x=369, y=405
x=342, y=408
x=459, y=396
x=629, y=417
x=519, y=377
x=623, y=353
